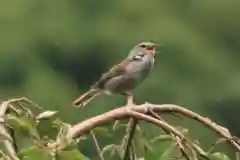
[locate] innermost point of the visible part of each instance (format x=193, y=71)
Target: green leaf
x=151, y=155
x=71, y=155
x=35, y=153
x=117, y=125
x=146, y=145
x=162, y=137
x=109, y=147
x=220, y=140
x=82, y=138
x=142, y=142
x=100, y=129
x=168, y=152
x=46, y=115
x=219, y=156
x=47, y=128
x=23, y=123
x=73, y=145
x=182, y=129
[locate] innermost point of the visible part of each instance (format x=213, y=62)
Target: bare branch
x=139, y=112
x=9, y=144
x=222, y=131
x=83, y=127
x=97, y=145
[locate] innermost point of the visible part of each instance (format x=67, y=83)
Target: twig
x=131, y=128
x=27, y=101
x=9, y=145
x=194, y=153
x=177, y=139
x=181, y=148
x=132, y=152
x=237, y=156
x=170, y=129
x=223, y=132
x=97, y=145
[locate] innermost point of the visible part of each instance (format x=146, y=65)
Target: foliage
x=45, y=137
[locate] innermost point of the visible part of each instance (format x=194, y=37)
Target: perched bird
x=123, y=77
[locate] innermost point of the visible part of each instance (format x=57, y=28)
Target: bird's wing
x=117, y=70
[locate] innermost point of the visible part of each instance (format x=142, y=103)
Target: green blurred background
x=53, y=50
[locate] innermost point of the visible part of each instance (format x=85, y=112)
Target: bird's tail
x=86, y=97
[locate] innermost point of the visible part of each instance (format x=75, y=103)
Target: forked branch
x=141, y=112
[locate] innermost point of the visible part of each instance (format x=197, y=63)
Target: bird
x=123, y=77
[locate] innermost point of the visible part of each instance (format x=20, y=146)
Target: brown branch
x=84, y=127
x=170, y=129
x=223, y=132
x=140, y=112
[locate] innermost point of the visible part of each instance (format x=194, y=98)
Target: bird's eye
x=150, y=47
x=143, y=46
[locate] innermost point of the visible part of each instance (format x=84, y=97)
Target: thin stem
x=131, y=128
x=176, y=138
x=237, y=156
x=97, y=145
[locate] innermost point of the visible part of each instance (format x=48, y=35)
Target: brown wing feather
x=117, y=70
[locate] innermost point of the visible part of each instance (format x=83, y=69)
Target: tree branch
x=220, y=130
x=9, y=141
x=139, y=111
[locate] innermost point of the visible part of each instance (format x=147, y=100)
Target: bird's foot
x=130, y=101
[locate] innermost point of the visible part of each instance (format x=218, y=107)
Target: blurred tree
x=51, y=51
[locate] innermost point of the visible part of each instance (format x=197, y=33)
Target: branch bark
x=139, y=112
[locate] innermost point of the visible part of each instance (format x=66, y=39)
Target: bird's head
x=142, y=49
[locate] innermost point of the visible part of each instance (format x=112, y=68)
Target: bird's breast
x=135, y=72
x=136, y=68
